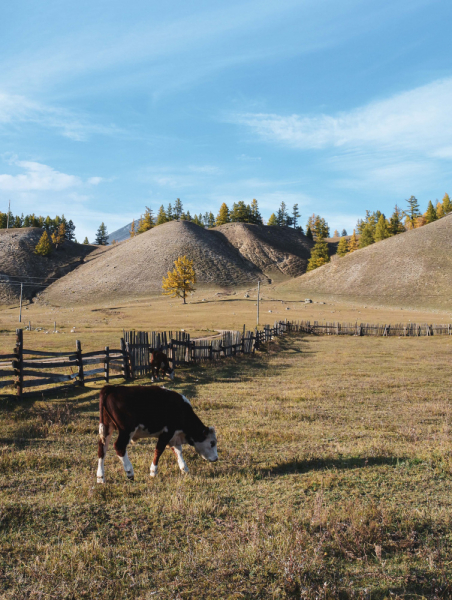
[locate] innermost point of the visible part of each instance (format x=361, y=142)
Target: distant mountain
x=120, y=234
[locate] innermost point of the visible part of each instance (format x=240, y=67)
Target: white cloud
x=417, y=122
x=40, y=177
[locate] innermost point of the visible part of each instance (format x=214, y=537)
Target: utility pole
x=258, y=292
x=20, y=308
x=7, y=217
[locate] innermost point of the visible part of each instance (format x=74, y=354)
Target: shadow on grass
x=326, y=464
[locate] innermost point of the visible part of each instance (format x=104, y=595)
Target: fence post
x=81, y=377
x=107, y=363
x=130, y=361
x=18, y=363
x=125, y=370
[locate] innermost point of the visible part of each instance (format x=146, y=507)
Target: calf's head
x=207, y=445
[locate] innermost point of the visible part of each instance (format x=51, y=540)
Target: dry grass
x=328, y=485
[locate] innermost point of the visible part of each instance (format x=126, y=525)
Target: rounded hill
x=19, y=263
x=137, y=266
x=412, y=269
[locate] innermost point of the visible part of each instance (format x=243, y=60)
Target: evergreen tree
x=395, y=222
x=58, y=236
x=198, y=220
x=272, y=220
x=447, y=204
x=146, y=222
x=309, y=233
x=241, y=212
x=169, y=212
x=282, y=215
x=319, y=255
x=223, y=215
x=353, y=243
x=161, y=216
x=211, y=220
x=44, y=246
x=188, y=216
x=412, y=212
x=295, y=215
x=366, y=238
x=101, y=235
x=382, y=229
x=439, y=210
x=344, y=232
x=180, y=280
x=85, y=241
x=70, y=228
x=254, y=213
x=430, y=214
x=342, y=247
x=178, y=209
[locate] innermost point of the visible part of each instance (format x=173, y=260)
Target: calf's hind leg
x=105, y=434
x=121, y=450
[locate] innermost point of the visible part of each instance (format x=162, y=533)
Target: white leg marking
x=127, y=465
x=153, y=470
x=101, y=462
x=180, y=459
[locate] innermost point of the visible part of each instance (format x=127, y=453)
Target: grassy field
x=333, y=481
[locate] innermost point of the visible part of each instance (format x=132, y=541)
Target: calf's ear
x=211, y=429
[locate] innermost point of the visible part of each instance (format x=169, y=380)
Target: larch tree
x=319, y=255
x=85, y=241
x=223, y=215
x=366, y=238
x=342, y=247
x=133, y=229
x=430, y=214
x=272, y=220
x=146, y=221
x=395, y=222
x=101, y=235
x=161, y=216
x=336, y=233
x=439, y=210
x=382, y=229
x=447, y=204
x=59, y=235
x=44, y=246
x=180, y=281
x=353, y=243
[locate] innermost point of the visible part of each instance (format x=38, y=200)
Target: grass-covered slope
x=412, y=269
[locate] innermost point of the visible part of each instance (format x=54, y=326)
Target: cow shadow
x=330, y=464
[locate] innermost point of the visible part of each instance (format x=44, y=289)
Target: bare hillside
x=412, y=269
x=136, y=267
x=18, y=263
x=271, y=249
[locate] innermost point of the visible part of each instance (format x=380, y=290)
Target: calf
x=159, y=361
x=139, y=412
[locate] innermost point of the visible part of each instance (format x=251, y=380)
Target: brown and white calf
x=159, y=362
x=139, y=412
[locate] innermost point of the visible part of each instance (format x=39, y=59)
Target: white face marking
x=186, y=400
x=208, y=448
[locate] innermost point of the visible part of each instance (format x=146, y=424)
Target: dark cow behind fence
x=139, y=412
x=159, y=362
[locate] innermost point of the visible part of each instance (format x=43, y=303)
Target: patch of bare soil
x=19, y=263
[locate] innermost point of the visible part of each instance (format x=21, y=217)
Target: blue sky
x=106, y=107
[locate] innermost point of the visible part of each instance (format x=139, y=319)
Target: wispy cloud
x=39, y=177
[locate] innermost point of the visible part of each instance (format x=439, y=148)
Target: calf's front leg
x=159, y=449
x=180, y=459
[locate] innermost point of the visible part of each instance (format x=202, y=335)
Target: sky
x=107, y=107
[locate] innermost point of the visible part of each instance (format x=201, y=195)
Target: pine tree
x=413, y=211
x=70, y=228
x=59, y=235
x=309, y=233
x=319, y=255
x=342, y=247
x=256, y=217
x=44, y=246
x=85, y=241
x=272, y=220
x=198, y=220
x=169, y=212
x=295, y=215
x=223, y=215
x=366, y=238
x=395, y=222
x=146, y=222
x=439, y=210
x=382, y=229
x=211, y=220
x=178, y=209
x=344, y=233
x=353, y=243
x=430, y=215
x=241, y=212
x=447, y=204
x=161, y=216
x=282, y=215
x=101, y=236
x=180, y=280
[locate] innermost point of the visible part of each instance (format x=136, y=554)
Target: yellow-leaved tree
x=44, y=246
x=180, y=280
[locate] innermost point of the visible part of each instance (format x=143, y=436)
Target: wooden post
x=18, y=363
x=81, y=377
x=107, y=363
x=130, y=361
x=125, y=366
x=20, y=309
